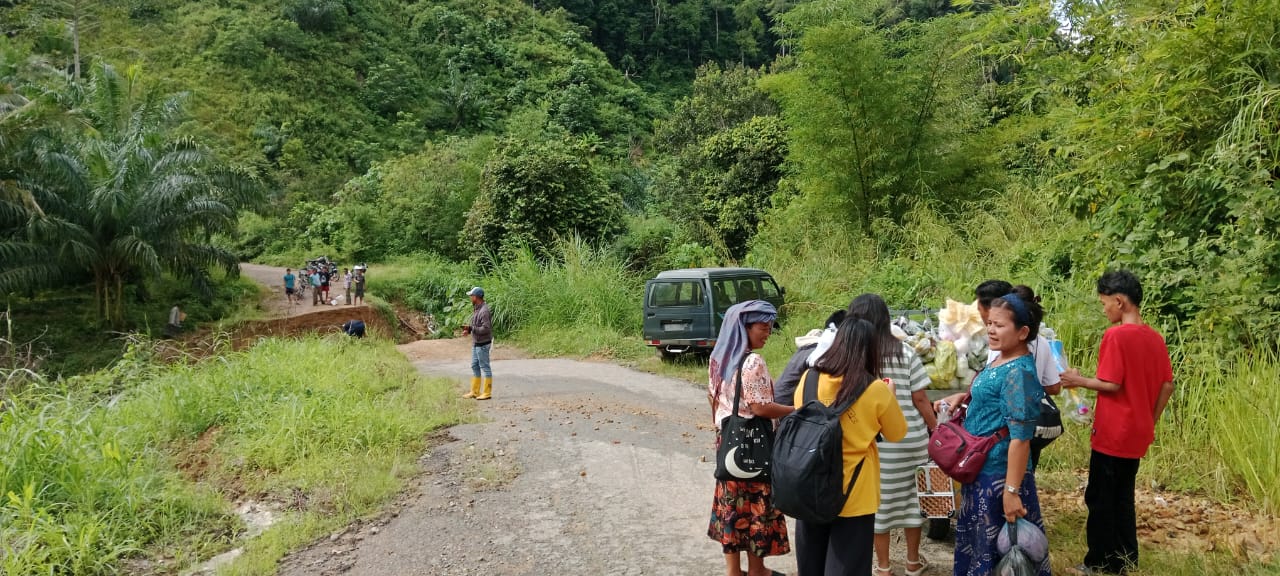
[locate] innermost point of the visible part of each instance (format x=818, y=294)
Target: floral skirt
x=743, y=519
x=981, y=518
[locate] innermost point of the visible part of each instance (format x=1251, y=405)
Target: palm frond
x=137, y=253
x=30, y=276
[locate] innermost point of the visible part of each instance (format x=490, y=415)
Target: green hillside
x=312, y=92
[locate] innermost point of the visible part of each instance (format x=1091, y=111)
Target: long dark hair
x=854, y=356
x=871, y=307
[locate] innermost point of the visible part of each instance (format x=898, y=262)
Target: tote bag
x=746, y=444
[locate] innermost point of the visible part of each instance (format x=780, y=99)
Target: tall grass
x=1241, y=411
x=582, y=302
x=1217, y=436
x=426, y=283
x=325, y=426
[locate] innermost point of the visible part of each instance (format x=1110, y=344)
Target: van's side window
x=725, y=294
x=747, y=290
x=688, y=293
x=769, y=289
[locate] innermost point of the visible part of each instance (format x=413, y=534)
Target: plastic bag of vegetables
x=942, y=372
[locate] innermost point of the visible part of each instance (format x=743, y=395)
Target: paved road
x=599, y=470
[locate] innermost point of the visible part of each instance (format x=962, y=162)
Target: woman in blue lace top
x=1006, y=394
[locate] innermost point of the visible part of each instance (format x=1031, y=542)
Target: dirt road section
x=294, y=319
x=580, y=469
x=275, y=304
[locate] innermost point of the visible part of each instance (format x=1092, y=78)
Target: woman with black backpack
x=899, y=501
x=851, y=369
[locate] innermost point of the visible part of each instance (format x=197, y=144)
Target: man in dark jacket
x=353, y=328
x=481, y=330
x=784, y=388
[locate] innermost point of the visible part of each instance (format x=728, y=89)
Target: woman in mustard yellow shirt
x=850, y=367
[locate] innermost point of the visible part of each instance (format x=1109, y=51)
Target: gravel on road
x=579, y=468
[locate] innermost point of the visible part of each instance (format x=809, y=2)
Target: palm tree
x=30, y=169
x=146, y=200
x=137, y=200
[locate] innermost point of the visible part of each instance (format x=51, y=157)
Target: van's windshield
x=676, y=293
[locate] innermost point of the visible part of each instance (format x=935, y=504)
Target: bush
x=534, y=192
x=316, y=15
x=644, y=246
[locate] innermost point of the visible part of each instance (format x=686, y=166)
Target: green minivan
x=683, y=308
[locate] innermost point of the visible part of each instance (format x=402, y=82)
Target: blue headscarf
x=731, y=346
x=1020, y=312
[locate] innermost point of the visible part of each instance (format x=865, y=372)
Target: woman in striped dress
x=899, y=505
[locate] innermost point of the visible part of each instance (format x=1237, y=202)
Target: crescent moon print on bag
x=746, y=444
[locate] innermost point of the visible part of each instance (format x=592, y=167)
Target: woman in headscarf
x=743, y=518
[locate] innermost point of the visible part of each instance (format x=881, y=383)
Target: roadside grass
x=140, y=463
x=428, y=284
x=64, y=331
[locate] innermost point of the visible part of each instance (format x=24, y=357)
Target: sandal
x=923, y=565
x=886, y=571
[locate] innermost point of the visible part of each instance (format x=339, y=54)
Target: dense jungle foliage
x=678, y=132
x=561, y=151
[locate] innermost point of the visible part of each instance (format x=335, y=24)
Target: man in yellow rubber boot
x=481, y=330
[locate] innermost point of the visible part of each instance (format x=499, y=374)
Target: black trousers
x=841, y=548
x=1112, y=529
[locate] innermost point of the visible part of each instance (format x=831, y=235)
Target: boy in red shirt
x=1134, y=383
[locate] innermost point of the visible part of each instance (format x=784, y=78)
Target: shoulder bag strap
x=810, y=386
x=737, y=391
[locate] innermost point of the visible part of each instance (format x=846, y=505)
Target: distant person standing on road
x=359, y=284
x=480, y=328
x=315, y=287
x=289, y=283
x=346, y=285
x=326, y=274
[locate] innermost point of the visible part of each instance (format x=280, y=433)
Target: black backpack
x=808, y=459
